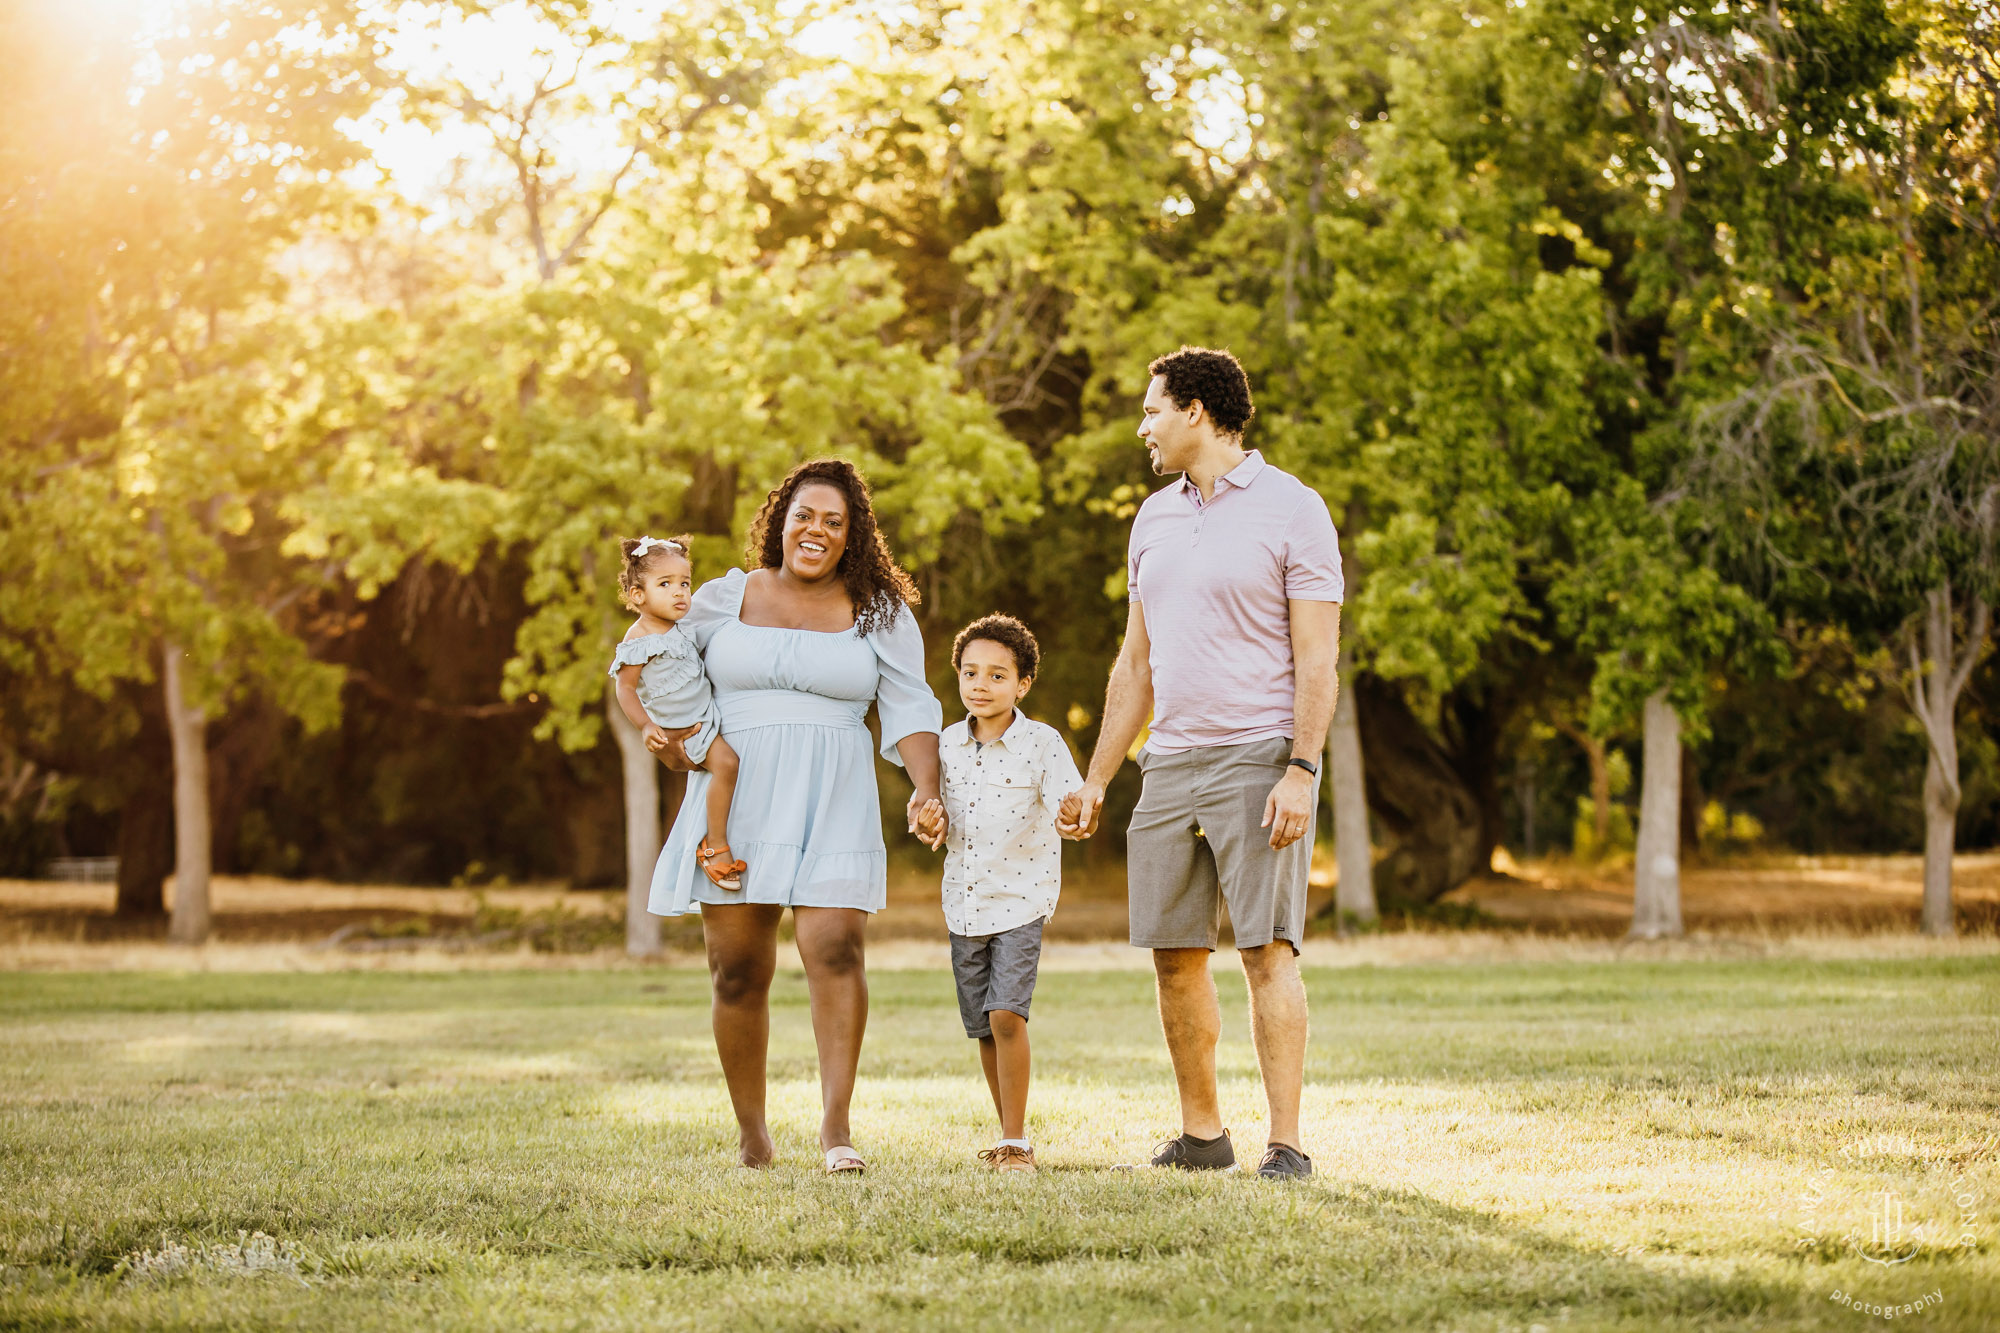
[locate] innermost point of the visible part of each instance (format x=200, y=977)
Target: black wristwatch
x=1307, y=764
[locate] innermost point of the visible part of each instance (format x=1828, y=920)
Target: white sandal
x=842, y=1160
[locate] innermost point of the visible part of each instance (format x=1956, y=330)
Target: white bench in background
x=83, y=869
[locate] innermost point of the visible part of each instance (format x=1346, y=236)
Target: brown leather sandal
x=722, y=870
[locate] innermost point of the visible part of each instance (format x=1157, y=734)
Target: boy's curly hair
x=1009, y=633
x=631, y=571
x=876, y=585
x=1212, y=377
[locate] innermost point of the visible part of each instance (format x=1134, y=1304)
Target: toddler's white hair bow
x=646, y=544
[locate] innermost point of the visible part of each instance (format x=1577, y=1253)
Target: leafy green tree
x=753, y=372
x=152, y=181
x=1659, y=624
x=1241, y=181
x=657, y=369
x=1865, y=454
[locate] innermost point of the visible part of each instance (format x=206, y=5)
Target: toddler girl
x=661, y=684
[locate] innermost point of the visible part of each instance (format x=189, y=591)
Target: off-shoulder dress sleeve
x=637, y=652
x=903, y=698
x=715, y=604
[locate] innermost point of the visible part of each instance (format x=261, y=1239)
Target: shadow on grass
x=1193, y=1252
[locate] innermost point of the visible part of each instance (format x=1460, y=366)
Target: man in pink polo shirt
x=1231, y=644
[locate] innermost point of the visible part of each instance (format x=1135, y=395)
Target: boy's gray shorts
x=1195, y=841
x=995, y=972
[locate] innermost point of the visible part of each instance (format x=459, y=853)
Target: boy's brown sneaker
x=1007, y=1157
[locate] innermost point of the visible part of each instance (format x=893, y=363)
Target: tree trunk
x=1656, y=873
x=145, y=850
x=1354, y=894
x=1524, y=797
x=146, y=815
x=1938, y=673
x=1692, y=802
x=1600, y=792
x=641, y=771
x=241, y=746
x=1431, y=811
x=1941, y=794
x=709, y=503
x=1600, y=780
x=187, y=727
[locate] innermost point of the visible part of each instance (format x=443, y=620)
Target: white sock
x=1014, y=1143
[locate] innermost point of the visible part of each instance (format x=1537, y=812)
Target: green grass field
x=1639, y=1145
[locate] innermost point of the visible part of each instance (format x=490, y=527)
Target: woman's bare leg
x=832, y=944
x=742, y=943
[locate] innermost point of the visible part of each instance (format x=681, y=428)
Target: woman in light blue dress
x=797, y=650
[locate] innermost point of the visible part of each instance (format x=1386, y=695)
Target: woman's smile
x=816, y=532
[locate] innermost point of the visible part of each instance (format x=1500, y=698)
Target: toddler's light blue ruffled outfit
x=673, y=689
x=794, y=704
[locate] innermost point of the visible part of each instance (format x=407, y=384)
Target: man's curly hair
x=1211, y=377
x=1006, y=631
x=876, y=585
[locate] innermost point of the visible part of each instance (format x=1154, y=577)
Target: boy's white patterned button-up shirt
x=1003, y=856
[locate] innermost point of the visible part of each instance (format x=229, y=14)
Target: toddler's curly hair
x=1211, y=377
x=632, y=567
x=1009, y=633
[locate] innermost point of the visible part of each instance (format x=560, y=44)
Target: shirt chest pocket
x=1009, y=789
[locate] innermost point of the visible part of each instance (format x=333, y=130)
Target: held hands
x=1288, y=809
x=927, y=819
x=667, y=745
x=1077, y=818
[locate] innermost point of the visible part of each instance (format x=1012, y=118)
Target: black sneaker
x=1284, y=1162
x=1191, y=1154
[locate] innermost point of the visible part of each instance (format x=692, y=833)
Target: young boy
x=1005, y=776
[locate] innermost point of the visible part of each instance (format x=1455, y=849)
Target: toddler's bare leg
x=721, y=766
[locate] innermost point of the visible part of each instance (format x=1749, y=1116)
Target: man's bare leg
x=1192, y=1020
x=1278, y=1025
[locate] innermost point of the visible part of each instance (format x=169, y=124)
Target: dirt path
x=1771, y=896
x=1861, y=893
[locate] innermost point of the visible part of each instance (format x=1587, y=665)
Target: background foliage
x=341, y=340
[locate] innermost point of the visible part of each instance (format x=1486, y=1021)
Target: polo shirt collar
x=1239, y=476
x=960, y=732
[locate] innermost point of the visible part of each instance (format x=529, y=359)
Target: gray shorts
x=1195, y=841
x=995, y=972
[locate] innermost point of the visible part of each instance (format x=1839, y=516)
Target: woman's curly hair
x=1213, y=377
x=876, y=585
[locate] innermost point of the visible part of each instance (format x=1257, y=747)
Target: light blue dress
x=672, y=687
x=806, y=815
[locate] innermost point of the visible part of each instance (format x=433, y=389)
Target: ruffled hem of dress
x=809, y=879
x=817, y=879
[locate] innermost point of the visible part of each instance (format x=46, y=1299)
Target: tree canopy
x=1640, y=353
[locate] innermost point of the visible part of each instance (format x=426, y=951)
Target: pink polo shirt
x=1217, y=579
